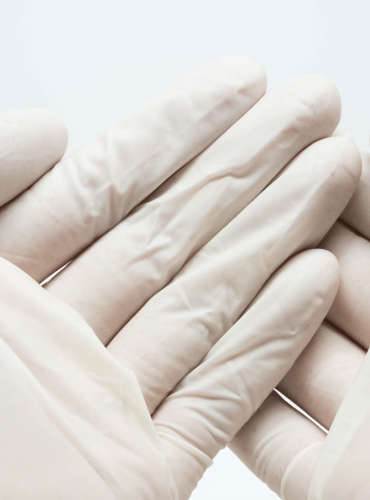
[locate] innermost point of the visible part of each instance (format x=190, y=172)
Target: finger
x=94, y=188
x=81, y=415
x=350, y=312
x=325, y=383
x=322, y=375
x=317, y=382
x=109, y=282
x=175, y=329
x=284, y=448
x=212, y=403
x=32, y=141
x=357, y=212
x=281, y=447
x=342, y=469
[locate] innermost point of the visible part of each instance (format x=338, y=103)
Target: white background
x=92, y=61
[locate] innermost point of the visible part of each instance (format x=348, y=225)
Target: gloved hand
x=330, y=381
x=211, y=220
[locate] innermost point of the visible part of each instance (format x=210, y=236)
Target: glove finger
x=322, y=375
x=175, y=329
x=281, y=447
x=32, y=141
x=91, y=190
x=342, y=469
x=85, y=423
x=212, y=403
x=330, y=382
x=350, y=311
x=318, y=382
x=109, y=282
x=331, y=379
x=349, y=242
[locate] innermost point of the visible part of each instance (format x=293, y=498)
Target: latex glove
x=81, y=198
x=330, y=381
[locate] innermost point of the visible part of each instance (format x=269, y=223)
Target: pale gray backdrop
x=92, y=61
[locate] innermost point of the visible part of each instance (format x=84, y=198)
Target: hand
x=298, y=453
x=85, y=195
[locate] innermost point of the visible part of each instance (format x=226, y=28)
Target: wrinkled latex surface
x=91, y=190
x=152, y=244
x=74, y=422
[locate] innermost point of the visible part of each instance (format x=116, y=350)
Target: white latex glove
x=89, y=404
x=330, y=381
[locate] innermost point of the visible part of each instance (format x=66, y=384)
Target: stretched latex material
x=279, y=444
x=74, y=423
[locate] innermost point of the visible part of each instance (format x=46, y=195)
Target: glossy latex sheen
x=210, y=405
x=151, y=245
x=93, y=189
